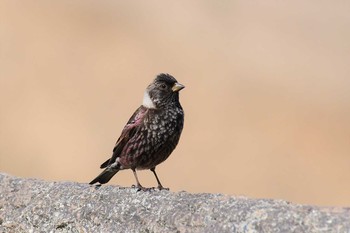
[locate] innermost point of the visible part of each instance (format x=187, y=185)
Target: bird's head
x=163, y=91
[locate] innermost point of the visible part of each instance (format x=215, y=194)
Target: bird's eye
x=163, y=86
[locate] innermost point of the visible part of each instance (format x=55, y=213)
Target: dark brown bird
x=151, y=133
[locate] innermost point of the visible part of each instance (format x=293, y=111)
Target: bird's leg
x=160, y=186
x=138, y=185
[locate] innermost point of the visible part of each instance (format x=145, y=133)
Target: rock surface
x=30, y=205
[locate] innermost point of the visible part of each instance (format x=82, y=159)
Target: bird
x=150, y=135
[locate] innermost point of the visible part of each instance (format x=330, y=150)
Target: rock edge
x=31, y=205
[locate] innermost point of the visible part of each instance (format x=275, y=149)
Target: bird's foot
x=160, y=187
x=141, y=188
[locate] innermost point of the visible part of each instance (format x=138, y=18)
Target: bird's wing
x=128, y=132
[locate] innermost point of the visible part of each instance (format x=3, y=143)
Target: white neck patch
x=147, y=101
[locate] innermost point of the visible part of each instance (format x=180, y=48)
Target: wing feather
x=128, y=132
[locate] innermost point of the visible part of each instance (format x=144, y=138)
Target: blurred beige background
x=267, y=96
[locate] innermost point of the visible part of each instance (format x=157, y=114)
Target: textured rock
x=30, y=205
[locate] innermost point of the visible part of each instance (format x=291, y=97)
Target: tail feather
x=105, y=176
x=105, y=164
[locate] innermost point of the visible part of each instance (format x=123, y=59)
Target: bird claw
x=141, y=188
x=162, y=188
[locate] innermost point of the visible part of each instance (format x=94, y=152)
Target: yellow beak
x=177, y=87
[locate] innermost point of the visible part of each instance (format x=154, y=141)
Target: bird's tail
x=105, y=176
